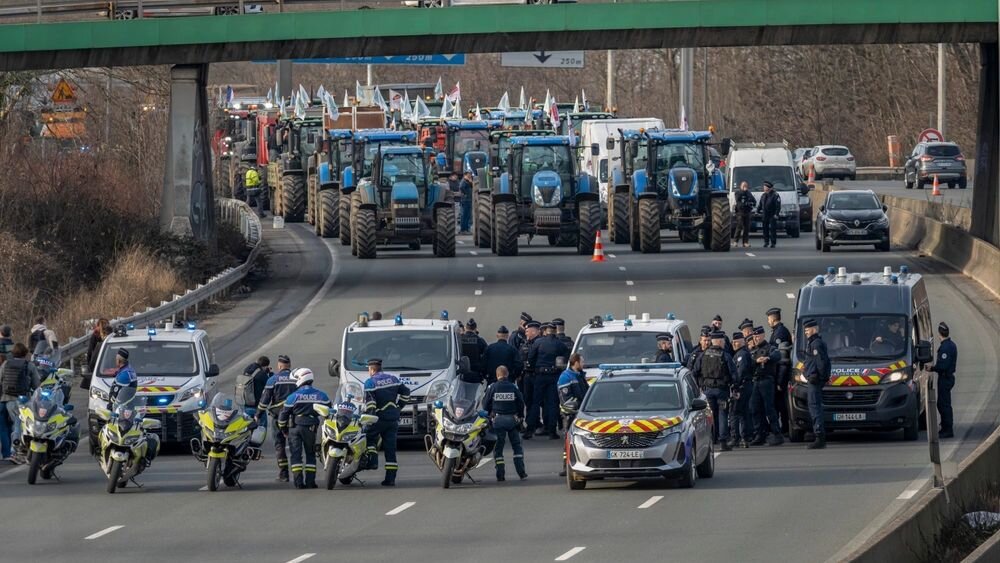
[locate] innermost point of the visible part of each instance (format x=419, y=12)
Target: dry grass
x=958, y=539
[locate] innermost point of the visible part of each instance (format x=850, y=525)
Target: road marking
x=474, y=253
x=205, y=488
x=766, y=267
x=908, y=494
x=570, y=553
x=302, y=557
x=629, y=282
x=790, y=295
x=470, y=310
x=632, y=298
x=12, y=471
x=479, y=265
x=479, y=292
x=461, y=242
x=484, y=461
x=103, y=532
x=622, y=268
x=779, y=280
x=611, y=255
x=751, y=254
x=400, y=508
x=481, y=279
x=652, y=500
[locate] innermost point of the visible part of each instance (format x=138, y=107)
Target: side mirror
x=68, y=408
x=595, y=149
x=885, y=208
x=610, y=144
x=727, y=145
x=103, y=414
x=334, y=368
x=464, y=365
x=151, y=424
x=822, y=208
x=923, y=352
x=699, y=405
x=367, y=419
x=213, y=371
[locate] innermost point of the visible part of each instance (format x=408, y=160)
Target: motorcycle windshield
x=224, y=409
x=128, y=413
x=463, y=400
x=45, y=402
x=46, y=358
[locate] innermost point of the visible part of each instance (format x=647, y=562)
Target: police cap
x=706, y=330
x=533, y=324
x=558, y=322
x=663, y=336
x=737, y=336
x=718, y=335
x=774, y=311
x=471, y=323
x=525, y=317
x=810, y=323
x=717, y=317
x=375, y=362
x=758, y=330
x=284, y=359
x=547, y=326
x=503, y=330
x=746, y=323
x=768, y=184
x=123, y=353
x=943, y=329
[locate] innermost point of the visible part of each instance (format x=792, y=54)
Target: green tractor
x=298, y=140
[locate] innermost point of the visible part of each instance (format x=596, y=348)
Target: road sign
x=63, y=94
x=931, y=136
x=543, y=59
x=451, y=60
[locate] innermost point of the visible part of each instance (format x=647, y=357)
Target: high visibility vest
x=252, y=179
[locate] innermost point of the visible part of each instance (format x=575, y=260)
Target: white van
x=759, y=162
x=595, y=132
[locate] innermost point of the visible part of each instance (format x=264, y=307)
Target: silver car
x=641, y=421
x=935, y=160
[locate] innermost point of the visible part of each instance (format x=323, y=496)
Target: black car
x=852, y=217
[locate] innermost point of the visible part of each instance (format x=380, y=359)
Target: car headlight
x=897, y=376
x=831, y=224
x=883, y=220
x=672, y=431
x=804, y=200
x=192, y=392
x=438, y=389
x=99, y=394
x=790, y=208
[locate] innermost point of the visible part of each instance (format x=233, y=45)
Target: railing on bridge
x=138, y=9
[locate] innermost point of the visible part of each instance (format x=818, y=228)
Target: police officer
x=500, y=353
x=505, y=404
x=664, y=348
x=561, y=333
x=473, y=347
x=944, y=366
x=781, y=340
x=704, y=342
x=125, y=377
x=572, y=389
x=299, y=421
x=746, y=327
x=532, y=330
x=543, y=357
x=769, y=207
x=384, y=395
x=715, y=373
x=765, y=367
x=518, y=337
x=817, y=372
x=717, y=327
x=278, y=387
x=740, y=423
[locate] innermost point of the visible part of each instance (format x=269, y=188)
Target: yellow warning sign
x=63, y=93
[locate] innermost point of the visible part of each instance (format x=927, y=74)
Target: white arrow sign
x=543, y=59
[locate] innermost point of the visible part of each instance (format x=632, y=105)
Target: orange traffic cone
x=937, y=188
x=812, y=175
x=598, y=249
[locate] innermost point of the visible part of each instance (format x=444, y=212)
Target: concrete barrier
x=989, y=552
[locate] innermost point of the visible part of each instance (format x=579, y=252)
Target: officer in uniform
x=299, y=422
x=746, y=327
x=704, y=341
x=769, y=206
x=781, y=340
x=572, y=389
x=527, y=382
x=561, y=333
x=384, y=395
x=518, y=337
x=125, y=376
x=816, y=370
x=278, y=387
x=664, y=348
x=505, y=404
x=740, y=423
x=717, y=326
x=473, y=347
x=500, y=353
x=715, y=375
x=765, y=367
x=543, y=356
x=944, y=366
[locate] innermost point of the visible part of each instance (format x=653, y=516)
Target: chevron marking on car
x=639, y=426
x=157, y=389
x=161, y=410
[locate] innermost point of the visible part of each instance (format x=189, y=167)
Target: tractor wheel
x=618, y=219
x=633, y=228
x=293, y=198
x=329, y=213
x=590, y=223
x=444, y=232
x=355, y=207
x=344, y=204
x=364, y=231
x=649, y=226
x=312, y=209
x=484, y=223
x=722, y=225
x=507, y=226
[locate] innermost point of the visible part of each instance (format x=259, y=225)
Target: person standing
x=102, y=330
x=572, y=389
x=717, y=327
x=664, y=348
x=744, y=205
x=385, y=394
x=740, y=423
x=544, y=358
x=278, y=387
x=250, y=384
x=561, y=333
x=817, y=373
x=504, y=403
x=6, y=342
x=704, y=341
x=473, y=347
x=500, y=353
x=766, y=360
x=769, y=207
x=715, y=374
x=18, y=377
x=465, y=187
x=781, y=340
x=944, y=366
x=299, y=422
x=531, y=334
x=746, y=327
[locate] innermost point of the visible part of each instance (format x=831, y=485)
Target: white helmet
x=303, y=376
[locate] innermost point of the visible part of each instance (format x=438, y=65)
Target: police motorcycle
x=230, y=440
x=460, y=432
x=47, y=360
x=343, y=441
x=125, y=445
x=49, y=431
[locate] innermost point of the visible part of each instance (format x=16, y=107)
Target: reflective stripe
x=371, y=450
x=518, y=455
x=282, y=463
x=500, y=462
x=389, y=466
x=310, y=469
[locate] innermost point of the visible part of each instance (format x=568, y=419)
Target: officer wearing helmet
x=278, y=387
x=384, y=395
x=298, y=421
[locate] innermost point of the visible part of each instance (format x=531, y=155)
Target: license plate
x=944, y=163
x=406, y=421
x=857, y=232
x=625, y=454
x=849, y=416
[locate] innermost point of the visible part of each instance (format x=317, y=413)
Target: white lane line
x=479, y=292
x=474, y=253
x=481, y=279
x=611, y=255
x=205, y=488
x=302, y=557
x=790, y=295
x=484, y=461
x=103, y=532
x=908, y=494
x=779, y=280
x=766, y=267
x=570, y=553
x=479, y=265
x=470, y=310
x=400, y=508
x=633, y=298
x=461, y=242
x=12, y=471
x=622, y=268
x=717, y=454
x=751, y=254
x=652, y=500
x=629, y=282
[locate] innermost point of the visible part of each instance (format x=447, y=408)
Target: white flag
x=304, y=96
x=438, y=90
x=446, y=109
x=378, y=100
x=277, y=91
x=395, y=100
x=522, y=103
x=270, y=96
x=583, y=95
x=456, y=93
x=553, y=110
x=331, y=106
x=347, y=100
x=479, y=114
x=504, y=104
x=576, y=105
x=420, y=109
x=300, y=107
x=281, y=108
x=406, y=109
x=457, y=110
x=359, y=94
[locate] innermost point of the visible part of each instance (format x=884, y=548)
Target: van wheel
x=912, y=431
x=796, y=435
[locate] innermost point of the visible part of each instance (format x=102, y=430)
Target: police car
x=422, y=353
x=175, y=367
x=632, y=340
x=641, y=421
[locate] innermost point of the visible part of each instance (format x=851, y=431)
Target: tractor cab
x=542, y=169
x=430, y=133
x=400, y=176
x=461, y=136
x=366, y=145
x=500, y=142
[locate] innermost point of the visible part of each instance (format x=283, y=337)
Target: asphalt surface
x=764, y=504
x=954, y=196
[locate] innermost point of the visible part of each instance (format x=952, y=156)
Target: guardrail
x=232, y=211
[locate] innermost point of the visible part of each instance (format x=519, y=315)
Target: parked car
x=800, y=157
x=832, y=161
x=941, y=159
x=852, y=217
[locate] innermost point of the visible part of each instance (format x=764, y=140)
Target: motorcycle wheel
x=446, y=471
x=35, y=462
x=114, y=475
x=332, y=470
x=214, y=473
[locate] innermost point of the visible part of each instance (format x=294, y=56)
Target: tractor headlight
x=536, y=194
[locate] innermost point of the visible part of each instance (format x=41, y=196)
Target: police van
x=878, y=331
x=175, y=367
x=605, y=340
x=423, y=353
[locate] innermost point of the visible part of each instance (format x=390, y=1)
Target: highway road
x=955, y=196
x=764, y=504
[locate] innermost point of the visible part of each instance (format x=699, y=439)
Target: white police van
x=632, y=340
x=175, y=367
x=423, y=353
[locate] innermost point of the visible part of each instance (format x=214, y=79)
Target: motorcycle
x=344, y=441
x=47, y=361
x=126, y=447
x=49, y=431
x=460, y=432
x=230, y=440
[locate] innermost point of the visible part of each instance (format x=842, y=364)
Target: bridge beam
x=986, y=193
x=187, y=204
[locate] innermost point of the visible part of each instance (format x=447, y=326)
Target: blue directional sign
x=392, y=60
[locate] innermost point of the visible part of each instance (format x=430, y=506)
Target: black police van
x=878, y=330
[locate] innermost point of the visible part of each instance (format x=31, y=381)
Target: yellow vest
x=252, y=179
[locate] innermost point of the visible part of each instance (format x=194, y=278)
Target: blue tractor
x=359, y=152
x=323, y=186
x=539, y=192
x=461, y=136
x=668, y=181
x=400, y=203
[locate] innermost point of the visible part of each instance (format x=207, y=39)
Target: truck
x=756, y=163
x=364, y=145
x=667, y=181
x=297, y=139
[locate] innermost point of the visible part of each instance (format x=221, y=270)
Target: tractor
x=667, y=181
x=401, y=204
x=361, y=150
x=460, y=137
x=538, y=191
x=323, y=196
x=298, y=140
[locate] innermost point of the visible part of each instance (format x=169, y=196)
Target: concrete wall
x=989, y=552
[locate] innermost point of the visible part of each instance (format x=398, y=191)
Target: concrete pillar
x=284, y=80
x=686, y=94
x=187, y=205
x=986, y=192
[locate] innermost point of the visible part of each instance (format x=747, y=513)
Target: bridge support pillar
x=986, y=193
x=187, y=204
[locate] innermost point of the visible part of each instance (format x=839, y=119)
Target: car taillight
x=960, y=157
x=926, y=158
x=850, y=159
x=821, y=158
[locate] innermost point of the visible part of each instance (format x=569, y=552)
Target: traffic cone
x=812, y=175
x=937, y=188
x=598, y=249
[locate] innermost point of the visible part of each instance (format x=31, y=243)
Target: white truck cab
x=756, y=163
x=628, y=341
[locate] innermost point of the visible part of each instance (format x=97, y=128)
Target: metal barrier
x=231, y=211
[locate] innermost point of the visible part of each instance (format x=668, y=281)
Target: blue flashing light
x=671, y=317
x=202, y=404
x=191, y=326
x=444, y=314
x=130, y=326
x=904, y=269
x=894, y=278
x=23, y=399
x=619, y=367
x=399, y=319
x=162, y=400
x=483, y=414
x=609, y=317
x=151, y=331
x=830, y=270
x=819, y=280
x=628, y=322
x=438, y=404
x=46, y=393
